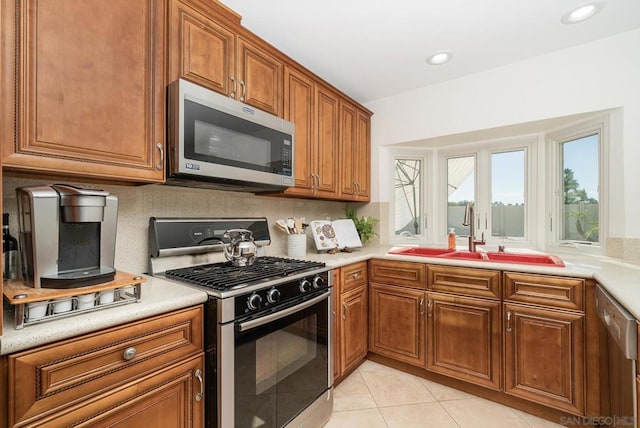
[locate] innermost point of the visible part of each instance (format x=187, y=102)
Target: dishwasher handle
x=620, y=324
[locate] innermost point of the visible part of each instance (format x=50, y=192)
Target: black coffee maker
x=67, y=235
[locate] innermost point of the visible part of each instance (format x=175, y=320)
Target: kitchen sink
x=516, y=258
x=526, y=258
x=467, y=255
x=421, y=251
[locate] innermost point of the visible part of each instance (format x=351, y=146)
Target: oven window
x=285, y=352
x=281, y=368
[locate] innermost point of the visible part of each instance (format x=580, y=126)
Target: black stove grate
x=224, y=276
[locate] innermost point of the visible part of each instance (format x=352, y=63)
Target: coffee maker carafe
x=67, y=235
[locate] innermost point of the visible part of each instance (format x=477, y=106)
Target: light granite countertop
x=621, y=279
x=158, y=296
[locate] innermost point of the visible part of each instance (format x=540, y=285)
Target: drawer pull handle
x=129, y=353
x=344, y=313
x=429, y=308
x=199, y=377
x=422, y=306
x=355, y=275
x=509, y=329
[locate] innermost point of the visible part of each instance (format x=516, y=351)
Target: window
x=461, y=190
x=408, y=195
x=494, y=181
x=540, y=190
x=580, y=204
x=508, y=170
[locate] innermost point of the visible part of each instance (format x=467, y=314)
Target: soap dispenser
x=452, y=238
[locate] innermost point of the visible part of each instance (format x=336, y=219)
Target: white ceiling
x=372, y=49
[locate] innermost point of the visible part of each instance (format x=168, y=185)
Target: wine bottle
x=9, y=250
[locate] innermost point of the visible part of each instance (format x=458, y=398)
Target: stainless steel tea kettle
x=241, y=250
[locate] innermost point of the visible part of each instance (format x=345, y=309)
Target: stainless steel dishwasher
x=622, y=341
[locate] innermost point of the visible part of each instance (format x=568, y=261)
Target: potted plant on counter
x=364, y=225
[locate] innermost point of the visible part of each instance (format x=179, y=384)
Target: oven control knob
x=273, y=295
x=305, y=285
x=254, y=301
x=318, y=282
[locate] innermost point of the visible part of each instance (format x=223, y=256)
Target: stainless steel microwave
x=217, y=142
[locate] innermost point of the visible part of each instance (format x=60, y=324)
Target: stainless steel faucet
x=470, y=221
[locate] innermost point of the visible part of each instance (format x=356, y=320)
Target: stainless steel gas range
x=267, y=325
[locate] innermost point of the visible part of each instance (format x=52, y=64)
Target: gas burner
x=225, y=276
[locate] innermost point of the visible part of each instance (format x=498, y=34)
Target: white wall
x=596, y=76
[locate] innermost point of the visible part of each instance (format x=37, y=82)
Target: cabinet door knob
x=344, y=312
x=129, y=353
x=355, y=275
x=509, y=315
x=160, y=164
x=199, y=377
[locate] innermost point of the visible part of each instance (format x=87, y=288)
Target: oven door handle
x=248, y=325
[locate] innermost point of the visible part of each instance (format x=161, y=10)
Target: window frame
x=555, y=200
x=543, y=178
x=425, y=204
x=482, y=150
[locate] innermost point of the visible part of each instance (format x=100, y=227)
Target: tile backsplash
x=137, y=203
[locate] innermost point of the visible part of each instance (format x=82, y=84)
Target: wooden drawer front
x=353, y=276
x=472, y=282
x=65, y=372
x=564, y=293
x=406, y=274
x=163, y=399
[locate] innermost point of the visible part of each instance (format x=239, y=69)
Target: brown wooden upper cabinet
x=355, y=152
x=314, y=111
x=85, y=81
x=216, y=56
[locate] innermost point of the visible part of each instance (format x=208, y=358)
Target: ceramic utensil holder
x=297, y=245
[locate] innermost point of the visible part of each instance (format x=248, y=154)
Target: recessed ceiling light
x=582, y=13
x=439, y=57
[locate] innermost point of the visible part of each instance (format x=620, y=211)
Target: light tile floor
x=379, y=396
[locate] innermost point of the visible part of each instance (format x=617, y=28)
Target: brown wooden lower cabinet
x=638, y=395
x=337, y=348
x=165, y=399
x=463, y=338
x=535, y=343
x=145, y=373
x=350, y=312
x=544, y=356
x=638, y=378
x=397, y=323
x=353, y=328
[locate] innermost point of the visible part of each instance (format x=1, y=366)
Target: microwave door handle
x=248, y=325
